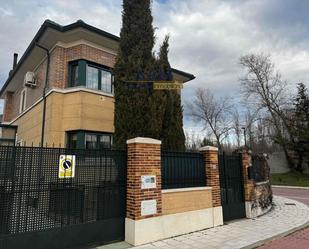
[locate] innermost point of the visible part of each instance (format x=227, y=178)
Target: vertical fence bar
x=182, y=170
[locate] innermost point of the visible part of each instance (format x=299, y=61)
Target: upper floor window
x=22, y=104
x=74, y=74
x=90, y=75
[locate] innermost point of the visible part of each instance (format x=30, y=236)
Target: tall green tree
x=140, y=110
x=301, y=125
x=172, y=135
x=135, y=62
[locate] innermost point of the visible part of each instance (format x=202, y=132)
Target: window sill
x=84, y=89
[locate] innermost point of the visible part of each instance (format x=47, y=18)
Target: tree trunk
x=299, y=166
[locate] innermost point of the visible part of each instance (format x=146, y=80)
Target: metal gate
x=38, y=209
x=232, y=188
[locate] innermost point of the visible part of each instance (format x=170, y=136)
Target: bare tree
x=213, y=113
x=264, y=87
x=193, y=141
x=237, y=127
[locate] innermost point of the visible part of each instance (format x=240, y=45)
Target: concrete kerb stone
x=286, y=233
x=287, y=217
x=293, y=187
x=280, y=235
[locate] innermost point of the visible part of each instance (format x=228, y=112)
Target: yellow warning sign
x=66, y=166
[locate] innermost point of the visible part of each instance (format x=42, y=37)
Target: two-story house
x=77, y=60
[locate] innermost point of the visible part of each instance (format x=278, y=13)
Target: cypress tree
x=172, y=135
x=140, y=111
x=135, y=61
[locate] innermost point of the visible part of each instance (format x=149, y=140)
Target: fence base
x=138, y=232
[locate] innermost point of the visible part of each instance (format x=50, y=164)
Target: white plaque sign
x=148, y=207
x=148, y=181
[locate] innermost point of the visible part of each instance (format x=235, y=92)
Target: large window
x=74, y=74
x=89, y=140
x=22, y=105
x=90, y=75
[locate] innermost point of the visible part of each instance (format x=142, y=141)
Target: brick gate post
x=144, y=197
x=211, y=161
x=248, y=183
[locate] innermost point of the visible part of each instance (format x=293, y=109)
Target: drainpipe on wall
x=44, y=92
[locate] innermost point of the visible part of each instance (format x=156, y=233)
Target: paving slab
x=284, y=218
x=297, y=240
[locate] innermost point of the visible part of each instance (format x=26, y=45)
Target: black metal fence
x=38, y=207
x=261, y=171
x=182, y=170
x=231, y=185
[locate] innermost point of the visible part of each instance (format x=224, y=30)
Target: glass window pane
x=73, y=141
x=92, y=80
x=22, y=106
x=91, y=141
x=74, y=75
x=106, y=81
x=105, y=141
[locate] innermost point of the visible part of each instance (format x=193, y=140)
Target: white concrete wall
x=278, y=163
x=255, y=212
x=138, y=232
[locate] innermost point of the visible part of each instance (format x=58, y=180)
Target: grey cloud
x=207, y=36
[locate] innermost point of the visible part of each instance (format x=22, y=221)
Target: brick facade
x=58, y=74
x=144, y=158
x=8, y=107
x=62, y=56
x=248, y=184
x=212, y=172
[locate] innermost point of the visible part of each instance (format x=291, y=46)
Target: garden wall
x=261, y=196
x=278, y=163
x=261, y=201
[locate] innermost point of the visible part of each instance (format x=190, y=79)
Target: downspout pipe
x=44, y=92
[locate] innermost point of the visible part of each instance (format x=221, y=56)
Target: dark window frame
x=82, y=74
x=81, y=139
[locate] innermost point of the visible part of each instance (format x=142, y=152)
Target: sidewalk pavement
x=287, y=216
x=297, y=240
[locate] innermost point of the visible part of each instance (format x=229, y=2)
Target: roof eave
x=56, y=26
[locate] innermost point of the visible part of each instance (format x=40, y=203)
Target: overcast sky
x=207, y=36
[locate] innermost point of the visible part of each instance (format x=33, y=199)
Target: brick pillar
x=8, y=107
x=248, y=184
x=212, y=172
x=144, y=159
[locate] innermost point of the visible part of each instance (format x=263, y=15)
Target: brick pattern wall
x=248, y=184
x=143, y=159
x=58, y=74
x=8, y=107
x=62, y=56
x=212, y=174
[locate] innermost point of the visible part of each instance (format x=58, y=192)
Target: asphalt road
x=298, y=194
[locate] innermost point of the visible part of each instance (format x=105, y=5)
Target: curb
x=292, y=187
x=280, y=235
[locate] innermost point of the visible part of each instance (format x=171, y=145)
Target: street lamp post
x=245, y=136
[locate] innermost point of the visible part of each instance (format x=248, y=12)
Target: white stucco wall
x=278, y=163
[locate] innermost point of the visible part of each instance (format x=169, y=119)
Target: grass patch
x=290, y=179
